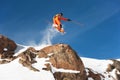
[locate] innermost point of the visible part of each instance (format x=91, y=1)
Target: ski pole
x=76, y=22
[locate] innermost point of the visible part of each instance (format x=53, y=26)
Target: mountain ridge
x=52, y=62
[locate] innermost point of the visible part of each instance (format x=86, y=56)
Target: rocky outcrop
x=115, y=66
x=7, y=48
x=68, y=76
x=63, y=56
x=27, y=58
x=94, y=75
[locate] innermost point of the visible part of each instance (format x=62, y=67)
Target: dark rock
x=115, y=65
x=7, y=48
x=27, y=58
x=94, y=75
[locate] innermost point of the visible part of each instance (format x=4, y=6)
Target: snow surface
x=99, y=66
x=15, y=71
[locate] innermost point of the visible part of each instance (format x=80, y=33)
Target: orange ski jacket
x=57, y=19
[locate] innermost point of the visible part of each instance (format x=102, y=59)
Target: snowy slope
x=99, y=66
x=15, y=71
x=95, y=64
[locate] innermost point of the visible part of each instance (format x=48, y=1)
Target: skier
x=57, y=22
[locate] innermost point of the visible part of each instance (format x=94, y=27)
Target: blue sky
x=26, y=20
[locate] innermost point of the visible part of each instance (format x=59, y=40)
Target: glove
x=69, y=20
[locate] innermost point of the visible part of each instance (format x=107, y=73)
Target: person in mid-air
x=57, y=22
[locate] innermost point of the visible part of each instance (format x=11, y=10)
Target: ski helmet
x=61, y=14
